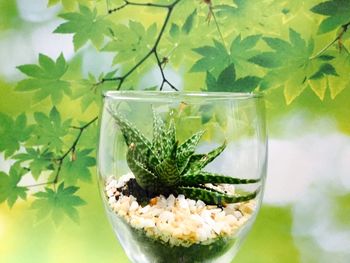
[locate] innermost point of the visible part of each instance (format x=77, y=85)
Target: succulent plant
x=162, y=166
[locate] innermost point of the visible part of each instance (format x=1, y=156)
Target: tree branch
x=71, y=149
x=344, y=29
x=153, y=50
x=127, y=3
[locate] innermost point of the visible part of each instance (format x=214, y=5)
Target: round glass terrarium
x=182, y=174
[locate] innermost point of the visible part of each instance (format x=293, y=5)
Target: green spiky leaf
x=159, y=132
x=175, y=169
x=168, y=172
x=213, y=197
x=133, y=138
x=186, y=150
x=199, y=161
x=205, y=178
x=145, y=178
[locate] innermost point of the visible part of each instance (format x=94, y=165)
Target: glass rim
x=154, y=95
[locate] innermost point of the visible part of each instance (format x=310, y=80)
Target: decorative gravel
x=179, y=220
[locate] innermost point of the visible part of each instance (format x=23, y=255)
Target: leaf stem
x=344, y=29
x=218, y=27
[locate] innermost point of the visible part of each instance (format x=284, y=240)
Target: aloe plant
x=162, y=166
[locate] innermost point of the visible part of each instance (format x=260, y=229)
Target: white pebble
x=200, y=204
x=111, y=192
x=237, y=214
x=167, y=216
x=179, y=220
x=145, y=209
x=134, y=206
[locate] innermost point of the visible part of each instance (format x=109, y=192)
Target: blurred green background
x=306, y=211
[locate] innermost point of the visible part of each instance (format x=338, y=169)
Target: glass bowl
x=182, y=174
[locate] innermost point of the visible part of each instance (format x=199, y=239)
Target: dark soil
x=142, y=196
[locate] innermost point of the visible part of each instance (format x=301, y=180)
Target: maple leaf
x=337, y=12
x=58, y=203
x=50, y=129
x=131, y=42
x=242, y=48
x=38, y=161
x=181, y=41
x=13, y=133
x=77, y=168
x=90, y=92
x=189, y=22
x=288, y=64
x=85, y=26
x=227, y=81
x=214, y=58
x=332, y=74
x=9, y=189
x=45, y=79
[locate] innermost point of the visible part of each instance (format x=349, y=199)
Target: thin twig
x=153, y=50
x=344, y=29
x=127, y=3
x=218, y=27
x=71, y=149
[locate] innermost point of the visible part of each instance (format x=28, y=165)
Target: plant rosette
x=169, y=204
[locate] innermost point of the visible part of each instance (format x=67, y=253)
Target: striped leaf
x=198, y=161
x=144, y=177
x=170, y=138
x=186, y=150
x=167, y=171
x=133, y=137
x=159, y=133
x=211, y=197
x=206, y=177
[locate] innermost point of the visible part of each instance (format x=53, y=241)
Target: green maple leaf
x=337, y=12
x=77, y=168
x=131, y=42
x=58, y=203
x=9, y=189
x=332, y=74
x=189, y=22
x=242, y=49
x=13, y=133
x=85, y=25
x=287, y=64
x=227, y=81
x=89, y=92
x=50, y=129
x=45, y=79
x=214, y=59
x=38, y=161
